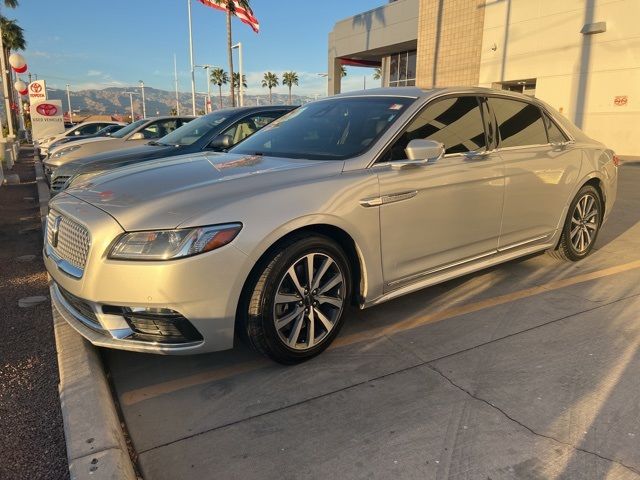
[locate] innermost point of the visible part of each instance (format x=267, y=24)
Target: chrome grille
x=73, y=240
x=58, y=183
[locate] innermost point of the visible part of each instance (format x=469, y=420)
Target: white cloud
x=94, y=73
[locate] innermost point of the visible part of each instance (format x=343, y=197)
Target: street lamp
x=207, y=67
x=325, y=75
x=131, y=94
x=144, y=107
x=69, y=102
x=239, y=47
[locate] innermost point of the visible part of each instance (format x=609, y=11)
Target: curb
x=96, y=448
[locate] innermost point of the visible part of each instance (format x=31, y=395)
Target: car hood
x=165, y=194
x=109, y=160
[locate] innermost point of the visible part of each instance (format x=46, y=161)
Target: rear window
x=520, y=124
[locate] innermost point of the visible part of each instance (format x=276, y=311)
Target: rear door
x=448, y=211
x=541, y=168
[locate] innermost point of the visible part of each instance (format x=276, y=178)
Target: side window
x=554, y=133
x=249, y=125
x=88, y=129
x=519, y=123
x=159, y=129
x=456, y=122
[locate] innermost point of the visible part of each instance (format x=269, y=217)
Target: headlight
x=65, y=151
x=171, y=244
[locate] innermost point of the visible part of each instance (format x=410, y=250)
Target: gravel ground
x=32, y=444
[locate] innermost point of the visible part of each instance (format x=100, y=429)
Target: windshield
x=128, y=129
x=333, y=129
x=194, y=130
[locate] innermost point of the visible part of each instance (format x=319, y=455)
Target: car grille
x=73, y=240
x=58, y=183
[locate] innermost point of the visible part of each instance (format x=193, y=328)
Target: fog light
x=160, y=325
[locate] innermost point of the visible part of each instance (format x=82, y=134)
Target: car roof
x=415, y=92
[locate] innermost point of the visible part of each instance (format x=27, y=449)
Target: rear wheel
x=297, y=303
x=581, y=226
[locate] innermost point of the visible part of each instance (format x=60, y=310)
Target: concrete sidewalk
x=527, y=371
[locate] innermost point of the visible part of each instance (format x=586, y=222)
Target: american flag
x=244, y=14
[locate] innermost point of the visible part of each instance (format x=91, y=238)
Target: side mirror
x=77, y=132
x=420, y=152
x=137, y=136
x=222, y=142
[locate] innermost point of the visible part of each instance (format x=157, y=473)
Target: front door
x=446, y=212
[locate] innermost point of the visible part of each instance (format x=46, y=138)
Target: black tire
x=566, y=250
x=258, y=313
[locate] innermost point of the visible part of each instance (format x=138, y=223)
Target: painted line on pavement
x=138, y=395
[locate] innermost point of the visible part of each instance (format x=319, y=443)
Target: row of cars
x=271, y=234
x=74, y=158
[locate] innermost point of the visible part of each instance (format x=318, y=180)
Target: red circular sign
x=47, y=109
x=36, y=87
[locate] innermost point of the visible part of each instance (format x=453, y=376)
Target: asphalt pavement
x=524, y=371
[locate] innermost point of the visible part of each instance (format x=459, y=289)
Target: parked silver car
x=135, y=134
x=358, y=198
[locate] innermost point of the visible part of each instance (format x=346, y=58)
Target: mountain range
x=114, y=101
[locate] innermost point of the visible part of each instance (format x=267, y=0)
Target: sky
x=98, y=44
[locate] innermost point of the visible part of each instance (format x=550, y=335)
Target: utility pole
x=175, y=75
x=69, y=103
x=144, y=107
x=131, y=94
x=193, y=75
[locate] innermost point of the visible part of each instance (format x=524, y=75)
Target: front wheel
x=297, y=303
x=581, y=227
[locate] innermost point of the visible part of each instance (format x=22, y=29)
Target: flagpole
x=193, y=75
x=175, y=76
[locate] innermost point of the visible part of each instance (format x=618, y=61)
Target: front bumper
x=203, y=289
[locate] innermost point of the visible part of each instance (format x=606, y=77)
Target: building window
x=402, y=69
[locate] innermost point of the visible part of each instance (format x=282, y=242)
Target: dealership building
x=580, y=56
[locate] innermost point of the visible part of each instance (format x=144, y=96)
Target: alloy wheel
x=309, y=301
x=584, y=223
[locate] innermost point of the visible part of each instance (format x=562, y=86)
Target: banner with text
x=37, y=91
x=46, y=119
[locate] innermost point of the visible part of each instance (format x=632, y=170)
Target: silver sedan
x=355, y=199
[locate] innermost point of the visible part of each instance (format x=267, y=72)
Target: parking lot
x=527, y=370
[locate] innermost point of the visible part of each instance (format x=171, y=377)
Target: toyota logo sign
x=47, y=109
x=36, y=87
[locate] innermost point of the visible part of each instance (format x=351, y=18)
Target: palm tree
x=290, y=79
x=3, y=76
x=343, y=71
x=230, y=5
x=236, y=83
x=377, y=74
x=219, y=77
x=270, y=81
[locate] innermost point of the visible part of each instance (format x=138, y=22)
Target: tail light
x=616, y=160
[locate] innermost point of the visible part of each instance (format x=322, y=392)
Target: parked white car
x=84, y=128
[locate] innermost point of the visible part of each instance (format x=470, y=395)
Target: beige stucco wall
x=449, y=39
x=578, y=74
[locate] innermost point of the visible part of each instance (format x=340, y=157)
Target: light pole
x=175, y=76
x=131, y=94
x=144, y=107
x=239, y=47
x=69, y=103
x=206, y=68
x=325, y=75
x=193, y=75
